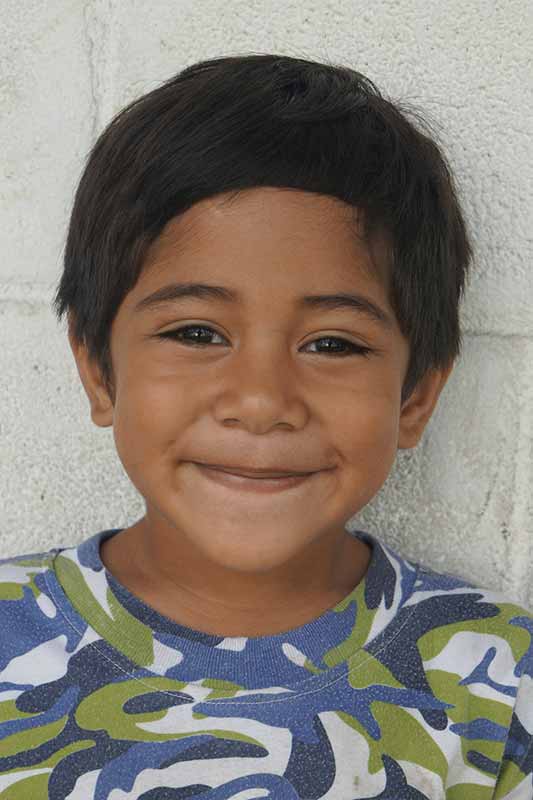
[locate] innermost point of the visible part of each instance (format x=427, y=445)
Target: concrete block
x=46, y=129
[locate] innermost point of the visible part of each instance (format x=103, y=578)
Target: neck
x=184, y=587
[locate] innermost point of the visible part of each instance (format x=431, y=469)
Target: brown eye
x=178, y=334
x=195, y=341
x=353, y=349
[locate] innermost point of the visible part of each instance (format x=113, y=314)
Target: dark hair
x=238, y=122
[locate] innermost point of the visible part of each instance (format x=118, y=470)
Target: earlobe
x=417, y=410
x=91, y=378
x=102, y=409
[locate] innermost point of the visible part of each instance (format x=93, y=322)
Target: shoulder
x=17, y=573
x=449, y=619
x=479, y=635
x=470, y=600
x=455, y=601
x=27, y=613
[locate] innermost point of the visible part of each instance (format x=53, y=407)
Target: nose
x=262, y=390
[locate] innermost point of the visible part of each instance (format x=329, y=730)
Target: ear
x=93, y=383
x=418, y=408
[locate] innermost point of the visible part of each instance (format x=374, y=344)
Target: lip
x=250, y=472
x=259, y=485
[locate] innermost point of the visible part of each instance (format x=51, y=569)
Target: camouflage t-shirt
x=416, y=685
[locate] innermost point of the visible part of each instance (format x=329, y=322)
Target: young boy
x=262, y=276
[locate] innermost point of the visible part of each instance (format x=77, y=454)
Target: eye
x=178, y=335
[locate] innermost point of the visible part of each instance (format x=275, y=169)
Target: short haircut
x=237, y=122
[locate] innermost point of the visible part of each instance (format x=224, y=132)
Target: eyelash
x=354, y=349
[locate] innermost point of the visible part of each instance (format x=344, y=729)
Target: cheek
x=149, y=414
x=367, y=437
x=368, y=417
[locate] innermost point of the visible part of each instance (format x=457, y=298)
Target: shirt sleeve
x=515, y=778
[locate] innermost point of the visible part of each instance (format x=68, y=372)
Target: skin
x=262, y=391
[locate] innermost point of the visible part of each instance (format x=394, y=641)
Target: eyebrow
x=173, y=292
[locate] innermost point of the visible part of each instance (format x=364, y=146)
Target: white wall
x=463, y=499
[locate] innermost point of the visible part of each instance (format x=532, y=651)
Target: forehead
x=268, y=251
x=264, y=230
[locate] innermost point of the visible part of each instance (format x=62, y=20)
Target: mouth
x=257, y=483
x=255, y=473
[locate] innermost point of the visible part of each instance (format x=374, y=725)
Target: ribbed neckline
x=160, y=646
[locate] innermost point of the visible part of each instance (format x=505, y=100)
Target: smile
x=260, y=485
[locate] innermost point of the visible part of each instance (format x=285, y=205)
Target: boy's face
x=262, y=390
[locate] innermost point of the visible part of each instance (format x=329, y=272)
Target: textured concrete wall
x=462, y=500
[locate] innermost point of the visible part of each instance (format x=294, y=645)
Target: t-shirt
x=416, y=685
